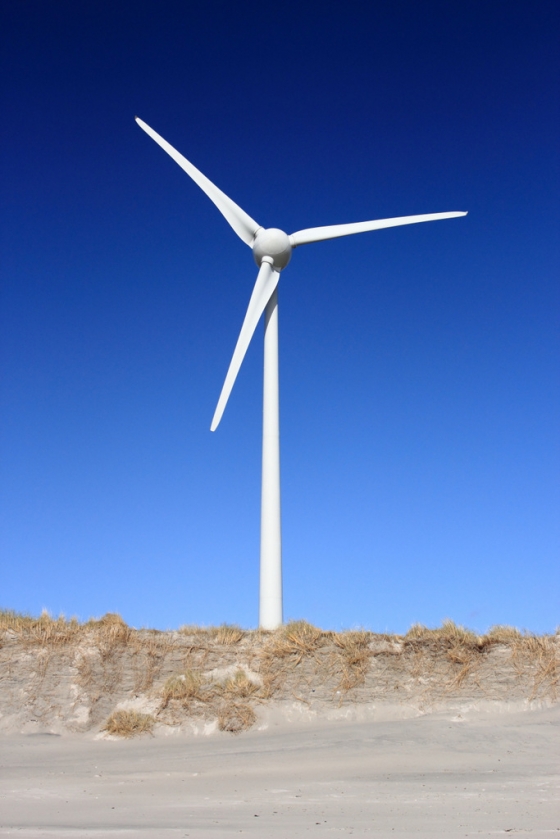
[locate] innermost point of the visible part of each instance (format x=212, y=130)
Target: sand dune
x=61, y=676
x=435, y=733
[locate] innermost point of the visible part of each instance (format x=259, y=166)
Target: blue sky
x=419, y=388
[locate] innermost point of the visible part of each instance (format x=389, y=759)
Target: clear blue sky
x=419, y=388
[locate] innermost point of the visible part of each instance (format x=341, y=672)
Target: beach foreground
x=476, y=773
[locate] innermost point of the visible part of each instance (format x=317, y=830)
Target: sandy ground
x=436, y=775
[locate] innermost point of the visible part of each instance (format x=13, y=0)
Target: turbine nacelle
x=273, y=243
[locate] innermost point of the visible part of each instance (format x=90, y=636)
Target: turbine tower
x=272, y=250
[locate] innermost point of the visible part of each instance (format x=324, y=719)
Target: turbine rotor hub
x=275, y=244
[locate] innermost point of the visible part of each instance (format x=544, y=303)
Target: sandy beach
x=444, y=774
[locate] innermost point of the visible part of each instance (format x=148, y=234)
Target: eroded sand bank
x=62, y=676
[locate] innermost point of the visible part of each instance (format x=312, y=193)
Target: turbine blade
x=243, y=224
x=267, y=281
x=334, y=231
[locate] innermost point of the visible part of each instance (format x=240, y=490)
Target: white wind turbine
x=272, y=250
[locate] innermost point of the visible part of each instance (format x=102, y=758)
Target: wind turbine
x=272, y=250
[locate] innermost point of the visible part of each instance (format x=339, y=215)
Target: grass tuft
x=229, y=634
x=449, y=634
x=297, y=638
x=240, y=686
x=111, y=629
x=503, y=635
x=184, y=688
x=129, y=723
x=236, y=717
x=355, y=657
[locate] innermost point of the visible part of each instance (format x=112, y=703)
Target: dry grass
x=296, y=639
x=50, y=631
x=111, y=629
x=449, y=634
x=184, y=688
x=193, y=686
x=129, y=723
x=13, y=621
x=303, y=636
x=283, y=650
x=354, y=656
x=42, y=630
x=533, y=657
x=539, y=658
x=228, y=702
x=203, y=634
x=503, y=635
x=460, y=648
x=236, y=717
x=228, y=635
x=240, y=686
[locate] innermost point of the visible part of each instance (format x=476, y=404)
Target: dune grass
x=183, y=688
x=129, y=724
x=226, y=700
x=51, y=631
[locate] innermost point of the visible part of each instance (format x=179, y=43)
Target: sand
x=444, y=774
